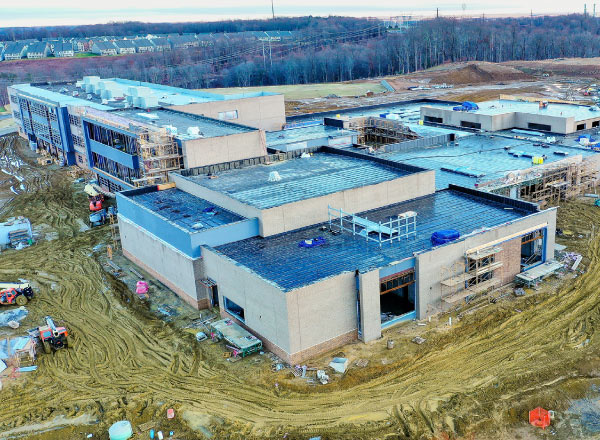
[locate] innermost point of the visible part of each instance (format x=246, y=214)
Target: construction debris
x=418, y=340
x=339, y=365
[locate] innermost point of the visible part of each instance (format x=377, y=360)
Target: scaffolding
x=376, y=132
x=159, y=154
x=548, y=185
x=155, y=146
x=479, y=271
x=401, y=226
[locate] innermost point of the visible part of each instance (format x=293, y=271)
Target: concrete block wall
x=265, y=112
x=265, y=305
x=322, y=316
x=213, y=150
x=177, y=271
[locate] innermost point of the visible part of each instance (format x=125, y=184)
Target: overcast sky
x=44, y=12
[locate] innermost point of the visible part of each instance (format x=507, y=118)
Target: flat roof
x=303, y=134
x=481, y=155
x=282, y=262
x=208, y=127
x=59, y=99
x=402, y=111
x=501, y=106
x=185, y=210
x=301, y=178
x=166, y=95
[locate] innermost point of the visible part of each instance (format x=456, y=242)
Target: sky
x=66, y=12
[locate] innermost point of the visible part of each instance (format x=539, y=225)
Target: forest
x=332, y=50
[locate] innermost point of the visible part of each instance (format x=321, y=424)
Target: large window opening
x=397, y=296
x=469, y=124
x=532, y=246
x=580, y=127
x=539, y=127
x=234, y=309
x=595, y=124
x=433, y=119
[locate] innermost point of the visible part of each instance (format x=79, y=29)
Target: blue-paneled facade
x=45, y=123
x=112, y=154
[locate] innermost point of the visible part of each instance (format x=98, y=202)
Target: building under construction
x=131, y=134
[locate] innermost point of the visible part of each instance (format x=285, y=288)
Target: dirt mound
x=586, y=67
x=477, y=73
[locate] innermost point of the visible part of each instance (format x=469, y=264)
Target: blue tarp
x=12, y=315
x=466, y=106
x=312, y=243
x=444, y=236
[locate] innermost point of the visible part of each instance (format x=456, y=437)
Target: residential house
x=82, y=45
x=15, y=50
x=64, y=49
x=143, y=45
x=125, y=46
x=38, y=50
x=161, y=44
x=183, y=41
x=205, y=40
x=104, y=48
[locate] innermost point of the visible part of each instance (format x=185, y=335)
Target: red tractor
x=12, y=296
x=51, y=336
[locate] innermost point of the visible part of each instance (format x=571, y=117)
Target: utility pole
x=264, y=58
x=273, y=9
x=437, y=12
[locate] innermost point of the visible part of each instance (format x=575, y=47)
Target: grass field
x=85, y=55
x=304, y=91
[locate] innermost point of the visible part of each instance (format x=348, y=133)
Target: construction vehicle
x=50, y=336
x=98, y=218
x=12, y=296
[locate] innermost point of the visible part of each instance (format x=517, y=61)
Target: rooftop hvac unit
x=91, y=79
x=193, y=131
x=274, y=176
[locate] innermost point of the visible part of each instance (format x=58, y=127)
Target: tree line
x=366, y=51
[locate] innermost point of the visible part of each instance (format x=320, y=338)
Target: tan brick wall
x=267, y=345
x=323, y=347
x=510, y=255
x=201, y=304
x=302, y=356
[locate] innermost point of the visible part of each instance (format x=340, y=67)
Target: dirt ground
x=474, y=380
x=302, y=91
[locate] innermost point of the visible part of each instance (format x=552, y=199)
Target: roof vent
x=274, y=176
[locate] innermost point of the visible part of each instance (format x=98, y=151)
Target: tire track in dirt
x=123, y=362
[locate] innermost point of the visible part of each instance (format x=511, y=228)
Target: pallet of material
x=236, y=336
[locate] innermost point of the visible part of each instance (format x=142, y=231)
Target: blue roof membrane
x=301, y=179
x=281, y=261
x=479, y=155
x=185, y=210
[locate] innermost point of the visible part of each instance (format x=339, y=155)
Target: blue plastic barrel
x=120, y=431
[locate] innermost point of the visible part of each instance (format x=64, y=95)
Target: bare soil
x=474, y=380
